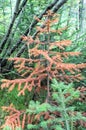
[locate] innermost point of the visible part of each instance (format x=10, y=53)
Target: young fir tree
x=47, y=60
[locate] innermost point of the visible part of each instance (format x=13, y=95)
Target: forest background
x=19, y=19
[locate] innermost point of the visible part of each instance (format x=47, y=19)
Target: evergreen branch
x=57, y=5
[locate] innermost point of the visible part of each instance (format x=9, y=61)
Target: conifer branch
x=44, y=64
x=58, y=4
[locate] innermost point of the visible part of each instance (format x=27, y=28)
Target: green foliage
x=62, y=89
x=63, y=95
x=7, y=128
x=36, y=107
x=31, y=126
x=12, y=98
x=18, y=128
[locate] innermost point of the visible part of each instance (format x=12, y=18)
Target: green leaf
x=75, y=94
x=54, y=81
x=18, y=128
x=55, y=96
x=58, y=127
x=43, y=107
x=7, y=128
x=43, y=124
x=31, y=126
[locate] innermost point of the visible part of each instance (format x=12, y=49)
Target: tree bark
x=54, y=6
x=30, y=28
x=83, y=17
x=16, y=13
